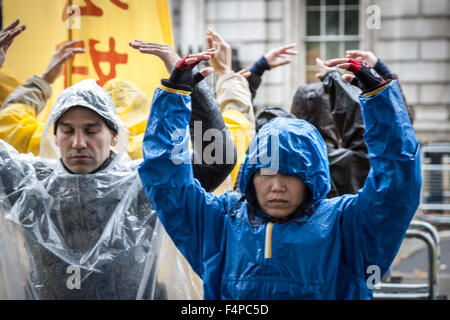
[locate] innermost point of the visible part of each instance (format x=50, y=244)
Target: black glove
x=184, y=76
x=367, y=79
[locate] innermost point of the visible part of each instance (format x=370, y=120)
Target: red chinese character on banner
x=120, y=4
x=90, y=9
x=111, y=56
x=75, y=69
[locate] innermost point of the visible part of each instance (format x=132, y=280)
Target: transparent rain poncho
x=83, y=236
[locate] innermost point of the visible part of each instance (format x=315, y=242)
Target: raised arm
x=17, y=175
x=378, y=65
x=344, y=107
x=18, y=124
x=234, y=97
x=229, y=97
x=192, y=217
x=371, y=59
x=7, y=36
x=205, y=116
x=36, y=90
x=375, y=221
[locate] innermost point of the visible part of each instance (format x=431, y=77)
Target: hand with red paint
x=221, y=62
x=367, y=79
x=184, y=76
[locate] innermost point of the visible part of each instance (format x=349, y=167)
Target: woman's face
x=278, y=194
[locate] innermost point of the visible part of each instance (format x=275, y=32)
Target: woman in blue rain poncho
x=280, y=238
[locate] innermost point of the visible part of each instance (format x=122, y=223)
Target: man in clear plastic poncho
x=84, y=228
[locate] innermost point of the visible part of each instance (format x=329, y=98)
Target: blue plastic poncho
x=327, y=253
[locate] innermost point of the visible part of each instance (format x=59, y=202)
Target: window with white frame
x=332, y=27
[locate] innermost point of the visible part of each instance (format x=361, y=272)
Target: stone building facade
x=411, y=36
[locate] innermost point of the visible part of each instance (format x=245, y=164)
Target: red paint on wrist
x=182, y=65
x=355, y=65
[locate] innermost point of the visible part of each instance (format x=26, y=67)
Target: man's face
x=278, y=195
x=84, y=140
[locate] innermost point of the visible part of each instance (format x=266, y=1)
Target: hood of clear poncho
x=88, y=94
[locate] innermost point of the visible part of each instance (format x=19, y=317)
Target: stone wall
x=414, y=41
x=252, y=27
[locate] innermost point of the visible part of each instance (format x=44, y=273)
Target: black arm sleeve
x=349, y=163
x=16, y=176
x=206, y=115
x=254, y=81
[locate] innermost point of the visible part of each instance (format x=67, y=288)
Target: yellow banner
x=104, y=28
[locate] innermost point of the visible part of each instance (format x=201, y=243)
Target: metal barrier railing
x=435, y=196
x=434, y=209
x=430, y=290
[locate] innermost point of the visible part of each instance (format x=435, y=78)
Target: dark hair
x=112, y=126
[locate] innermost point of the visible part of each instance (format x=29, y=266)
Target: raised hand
x=221, y=62
x=64, y=53
x=7, y=35
x=367, y=77
x=323, y=68
x=164, y=51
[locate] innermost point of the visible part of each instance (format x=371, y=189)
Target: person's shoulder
x=335, y=202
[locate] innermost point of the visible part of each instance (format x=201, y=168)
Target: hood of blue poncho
x=289, y=146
